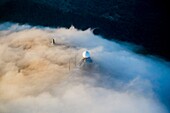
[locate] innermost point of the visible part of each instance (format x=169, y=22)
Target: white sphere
x=86, y=54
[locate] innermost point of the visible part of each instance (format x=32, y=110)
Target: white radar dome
x=86, y=54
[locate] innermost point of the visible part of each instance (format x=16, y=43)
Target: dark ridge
x=143, y=22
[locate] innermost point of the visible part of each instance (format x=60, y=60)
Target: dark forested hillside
x=144, y=22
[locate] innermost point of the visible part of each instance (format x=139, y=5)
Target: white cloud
x=35, y=76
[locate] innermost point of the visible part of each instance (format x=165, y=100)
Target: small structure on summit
x=53, y=42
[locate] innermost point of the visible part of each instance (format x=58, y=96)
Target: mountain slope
x=143, y=22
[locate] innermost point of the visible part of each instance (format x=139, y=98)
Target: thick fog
x=37, y=76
